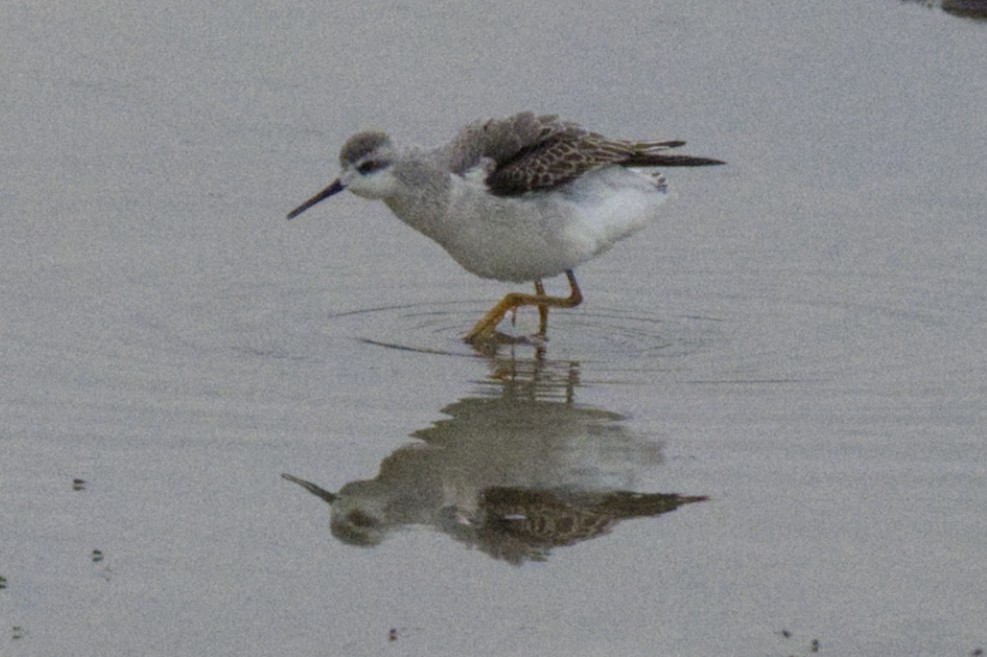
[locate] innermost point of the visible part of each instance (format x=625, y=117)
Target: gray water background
x=800, y=338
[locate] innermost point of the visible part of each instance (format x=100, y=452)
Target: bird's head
x=366, y=160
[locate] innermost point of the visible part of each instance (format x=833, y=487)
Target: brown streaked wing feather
x=556, y=161
x=529, y=153
x=499, y=140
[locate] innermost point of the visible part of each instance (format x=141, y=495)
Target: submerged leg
x=486, y=326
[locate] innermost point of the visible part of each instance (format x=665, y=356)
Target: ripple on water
x=618, y=343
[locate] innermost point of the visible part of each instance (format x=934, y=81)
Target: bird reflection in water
x=513, y=475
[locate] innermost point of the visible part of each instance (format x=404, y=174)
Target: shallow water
x=762, y=433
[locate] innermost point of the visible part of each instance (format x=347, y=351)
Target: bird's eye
x=370, y=166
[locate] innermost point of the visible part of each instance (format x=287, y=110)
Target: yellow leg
x=542, y=308
x=486, y=326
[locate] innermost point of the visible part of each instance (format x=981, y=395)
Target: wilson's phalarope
x=516, y=199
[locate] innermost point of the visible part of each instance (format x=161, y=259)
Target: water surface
x=762, y=433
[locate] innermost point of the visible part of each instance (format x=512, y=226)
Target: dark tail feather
x=669, y=160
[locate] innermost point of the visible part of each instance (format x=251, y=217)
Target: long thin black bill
x=312, y=488
x=334, y=188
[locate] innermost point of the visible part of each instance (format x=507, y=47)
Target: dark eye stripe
x=371, y=166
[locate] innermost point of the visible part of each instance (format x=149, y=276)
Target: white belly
x=541, y=235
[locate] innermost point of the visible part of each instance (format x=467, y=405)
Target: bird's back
x=526, y=153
